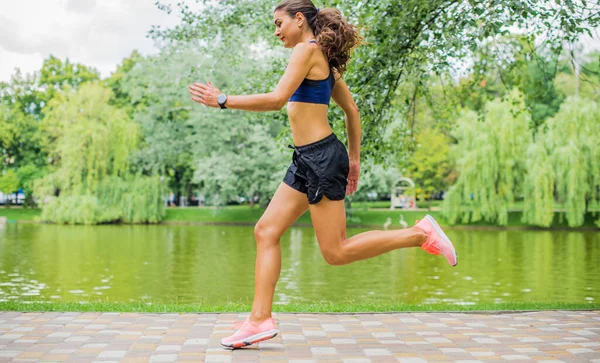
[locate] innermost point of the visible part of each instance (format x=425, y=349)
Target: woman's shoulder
x=307, y=46
x=304, y=51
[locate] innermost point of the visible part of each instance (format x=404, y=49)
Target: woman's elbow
x=353, y=111
x=280, y=104
x=277, y=102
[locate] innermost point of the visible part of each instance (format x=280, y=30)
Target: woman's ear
x=299, y=19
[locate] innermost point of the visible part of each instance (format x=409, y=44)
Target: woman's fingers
x=198, y=99
x=198, y=92
x=195, y=90
x=203, y=90
x=198, y=89
x=204, y=87
x=205, y=94
x=352, y=186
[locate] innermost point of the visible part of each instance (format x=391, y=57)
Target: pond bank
x=348, y=307
x=357, y=218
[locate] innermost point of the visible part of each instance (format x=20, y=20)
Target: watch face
x=221, y=99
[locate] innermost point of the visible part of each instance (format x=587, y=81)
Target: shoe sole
x=253, y=339
x=439, y=231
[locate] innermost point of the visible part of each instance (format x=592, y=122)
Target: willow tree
x=90, y=143
x=499, y=162
x=572, y=141
x=538, y=208
x=490, y=156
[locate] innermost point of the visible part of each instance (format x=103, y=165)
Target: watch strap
x=222, y=105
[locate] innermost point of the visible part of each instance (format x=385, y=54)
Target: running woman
x=322, y=171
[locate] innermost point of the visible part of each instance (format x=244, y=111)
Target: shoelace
x=237, y=325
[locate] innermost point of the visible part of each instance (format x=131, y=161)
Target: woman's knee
x=334, y=257
x=266, y=234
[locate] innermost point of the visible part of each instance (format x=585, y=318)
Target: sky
x=97, y=33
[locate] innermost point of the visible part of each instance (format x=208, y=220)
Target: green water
x=215, y=265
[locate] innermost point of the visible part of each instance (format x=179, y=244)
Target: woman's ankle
x=420, y=236
x=259, y=317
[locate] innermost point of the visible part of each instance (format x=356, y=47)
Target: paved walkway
x=405, y=337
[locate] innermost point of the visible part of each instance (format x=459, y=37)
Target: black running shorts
x=319, y=169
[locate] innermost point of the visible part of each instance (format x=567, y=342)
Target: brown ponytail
x=334, y=34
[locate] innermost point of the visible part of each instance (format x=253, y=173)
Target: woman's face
x=287, y=29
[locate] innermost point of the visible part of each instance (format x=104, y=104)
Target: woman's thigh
x=284, y=209
x=329, y=222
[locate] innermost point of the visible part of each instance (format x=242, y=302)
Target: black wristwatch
x=221, y=100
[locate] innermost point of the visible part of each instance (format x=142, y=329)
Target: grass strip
x=355, y=218
x=20, y=214
x=349, y=307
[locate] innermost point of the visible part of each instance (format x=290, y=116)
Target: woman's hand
x=353, y=177
x=205, y=94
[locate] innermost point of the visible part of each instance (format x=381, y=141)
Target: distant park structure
x=402, y=194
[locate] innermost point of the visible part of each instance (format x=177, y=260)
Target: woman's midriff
x=308, y=122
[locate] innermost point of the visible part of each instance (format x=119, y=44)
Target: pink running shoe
x=249, y=333
x=437, y=241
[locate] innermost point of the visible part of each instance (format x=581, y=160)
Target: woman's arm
x=342, y=96
x=296, y=71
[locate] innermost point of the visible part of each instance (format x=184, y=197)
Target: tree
x=20, y=148
x=224, y=152
x=90, y=143
x=32, y=92
x=121, y=99
x=538, y=190
x=526, y=67
x=541, y=97
x=490, y=159
x=572, y=142
x=9, y=182
x=582, y=78
x=500, y=162
x=22, y=101
x=250, y=164
x=375, y=178
x=429, y=165
x=404, y=40
x=57, y=75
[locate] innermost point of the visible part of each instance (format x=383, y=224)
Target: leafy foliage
x=421, y=36
x=490, y=159
x=226, y=153
x=538, y=187
x=90, y=143
x=9, y=182
x=429, y=166
x=20, y=149
x=121, y=99
x=82, y=148
x=572, y=137
x=499, y=160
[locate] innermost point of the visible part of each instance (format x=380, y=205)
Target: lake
x=215, y=265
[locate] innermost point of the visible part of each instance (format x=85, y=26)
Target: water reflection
x=213, y=264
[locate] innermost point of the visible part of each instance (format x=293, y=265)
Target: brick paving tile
x=549, y=336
